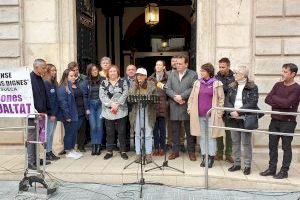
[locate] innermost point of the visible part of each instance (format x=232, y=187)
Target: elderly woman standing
x=105, y=63
x=113, y=94
x=142, y=86
x=242, y=94
x=207, y=93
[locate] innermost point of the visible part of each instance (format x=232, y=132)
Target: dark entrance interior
x=119, y=37
x=149, y=62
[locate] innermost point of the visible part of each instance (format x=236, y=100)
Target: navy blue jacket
x=67, y=104
x=40, y=98
x=51, y=90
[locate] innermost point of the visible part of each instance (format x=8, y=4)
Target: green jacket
x=151, y=89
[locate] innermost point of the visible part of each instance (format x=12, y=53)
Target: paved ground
x=8, y=190
x=93, y=169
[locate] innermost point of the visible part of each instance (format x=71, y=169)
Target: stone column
x=10, y=56
x=50, y=33
x=206, y=32
x=33, y=29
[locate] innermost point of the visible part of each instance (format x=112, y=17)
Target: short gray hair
x=105, y=58
x=244, y=70
x=38, y=61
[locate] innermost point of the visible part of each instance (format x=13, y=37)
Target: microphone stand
x=165, y=163
x=142, y=101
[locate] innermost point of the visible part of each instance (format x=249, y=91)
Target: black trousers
x=283, y=127
x=81, y=136
x=128, y=127
x=113, y=126
x=176, y=136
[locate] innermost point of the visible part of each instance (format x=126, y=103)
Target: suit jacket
x=176, y=87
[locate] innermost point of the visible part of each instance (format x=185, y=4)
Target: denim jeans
x=50, y=133
x=159, y=133
x=139, y=129
x=70, y=134
x=212, y=143
x=96, y=122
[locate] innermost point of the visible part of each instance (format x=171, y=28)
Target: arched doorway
x=139, y=39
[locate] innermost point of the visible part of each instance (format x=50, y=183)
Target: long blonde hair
x=48, y=76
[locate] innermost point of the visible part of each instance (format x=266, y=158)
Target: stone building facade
x=262, y=34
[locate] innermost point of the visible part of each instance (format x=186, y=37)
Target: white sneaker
x=73, y=155
x=77, y=153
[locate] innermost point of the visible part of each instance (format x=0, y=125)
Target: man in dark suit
x=178, y=88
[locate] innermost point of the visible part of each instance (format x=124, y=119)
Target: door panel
x=86, y=42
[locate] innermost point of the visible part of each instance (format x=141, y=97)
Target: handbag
x=251, y=121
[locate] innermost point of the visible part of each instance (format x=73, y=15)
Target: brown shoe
x=138, y=158
x=155, y=152
x=192, y=156
x=229, y=159
x=219, y=157
x=161, y=152
x=148, y=158
x=173, y=155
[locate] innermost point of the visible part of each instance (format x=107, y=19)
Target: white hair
x=244, y=70
x=38, y=62
x=105, y=59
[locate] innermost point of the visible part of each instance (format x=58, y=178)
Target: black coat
x=40, y=97
x=249, y=96
x=226, y=80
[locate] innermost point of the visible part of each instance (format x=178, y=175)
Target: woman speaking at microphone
x=142, y=86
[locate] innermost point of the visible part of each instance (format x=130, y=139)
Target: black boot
x=54, y=156
x=211, y=160
x=81, y=148
x=94, y=149
x=203, y=162
x=268, y=172
x=98, y=149
x=281, y=175
x=247, y=170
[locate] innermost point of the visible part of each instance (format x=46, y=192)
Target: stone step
x=94, y=169
x=257, y=152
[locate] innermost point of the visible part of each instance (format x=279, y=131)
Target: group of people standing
x=184, y=100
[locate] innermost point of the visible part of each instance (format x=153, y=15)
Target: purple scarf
x=207, y=82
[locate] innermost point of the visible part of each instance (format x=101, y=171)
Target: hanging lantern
x=164, y=43
x=151, y=14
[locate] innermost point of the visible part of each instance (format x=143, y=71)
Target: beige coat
x=217, y=101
